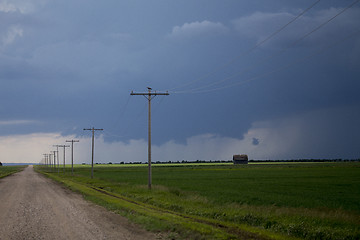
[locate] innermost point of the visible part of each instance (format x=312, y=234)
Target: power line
x=125, y=129
x=326, y=22
x=283, y=67
x=199, y=89
x=248, y=51
x=122, y=112
x=157, y=105
x=106, y=133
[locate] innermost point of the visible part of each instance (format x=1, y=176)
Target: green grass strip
x=9, y=170
x=157, y=219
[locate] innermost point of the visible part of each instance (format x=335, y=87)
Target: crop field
x=224, y=201
x=8, y=170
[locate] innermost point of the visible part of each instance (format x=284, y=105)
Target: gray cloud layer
x=69, y=65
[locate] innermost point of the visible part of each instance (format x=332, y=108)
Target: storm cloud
x=67, y=65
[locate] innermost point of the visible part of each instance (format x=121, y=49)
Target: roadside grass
x=8, y=170
x=281, y=201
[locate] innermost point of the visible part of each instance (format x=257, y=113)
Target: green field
x=8, y=170
x=259, y=201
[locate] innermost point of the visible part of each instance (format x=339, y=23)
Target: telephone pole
x=57, y=154
x=72, y=155
x=45, y=156
x=47, y=160
x=92, y=148
x=149, y=96
x=49, y=156
x=63, y=146
x=54, y=165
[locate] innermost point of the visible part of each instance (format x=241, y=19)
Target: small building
x=240, y=159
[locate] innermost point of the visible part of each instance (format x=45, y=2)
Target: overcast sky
x=243, y=77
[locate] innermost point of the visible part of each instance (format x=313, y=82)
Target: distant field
x=154, y=165
x=307, y=201
x=8, y=170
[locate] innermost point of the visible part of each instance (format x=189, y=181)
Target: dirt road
x=34, y=207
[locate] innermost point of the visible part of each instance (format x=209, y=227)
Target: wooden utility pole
x=92, y=148
x=63, y=146
x=54, y=159
x=72, y=155
x=47, y=160
x=57, y=154
x=149, y=96
x=45, y=156
x=47, y=164
x=49, y=156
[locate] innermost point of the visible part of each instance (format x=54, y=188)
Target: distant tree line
x=229, y=161
x=310, y=160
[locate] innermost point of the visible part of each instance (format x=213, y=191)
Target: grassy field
x=260, y=201
x=8, y=170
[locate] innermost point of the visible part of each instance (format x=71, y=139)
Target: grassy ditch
x=8, y=170
x=317, y=201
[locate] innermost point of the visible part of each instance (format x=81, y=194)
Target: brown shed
x=240, y=159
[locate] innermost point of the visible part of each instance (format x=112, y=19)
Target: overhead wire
x=283, y=67
x=159, y=103
x=122, y=112
x=248, y=51
x=198, y=89
x=117, y=122
x=107, y=133
x=126, y=128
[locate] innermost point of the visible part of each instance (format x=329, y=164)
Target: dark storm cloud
x=70, y=65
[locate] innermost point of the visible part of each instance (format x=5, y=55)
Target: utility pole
x=63, y=146
x=72, y=155
x=54, y=165
x=57, y=153
x=49, y=158
x=149, y=96
x=45, y=158
x=51, y=163
x=92, y=148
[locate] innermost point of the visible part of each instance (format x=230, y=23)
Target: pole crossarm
x=94, y=129
x=149, y=95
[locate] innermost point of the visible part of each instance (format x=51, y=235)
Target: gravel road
x=34, y=207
